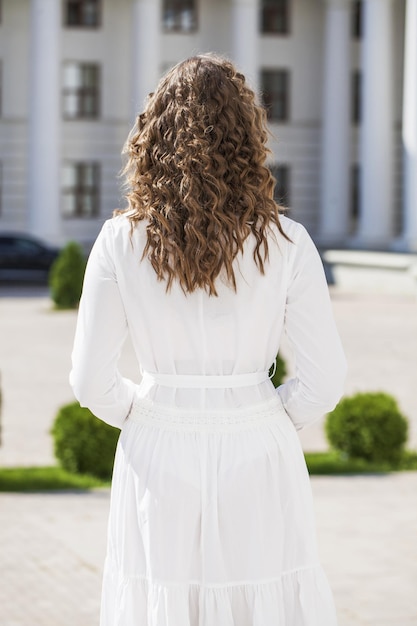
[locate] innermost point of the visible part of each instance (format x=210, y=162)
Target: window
x=356, y=97
x=82, y=13
x=275, y=90
x=281, y=173
x=179, y=15
x=357, y=25
x=354, y=197
x=275, y=17
x=81, y=93
x=81, y=189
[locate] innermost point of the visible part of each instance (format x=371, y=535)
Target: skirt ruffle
x=297, y=598
x=211, y=523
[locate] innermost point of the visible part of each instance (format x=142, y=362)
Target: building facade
x=338, y=78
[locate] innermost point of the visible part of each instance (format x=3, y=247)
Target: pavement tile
x=367, y=545
x=52, y=550
x=51, y=558
x=52, y=545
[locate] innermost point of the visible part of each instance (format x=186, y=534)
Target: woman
x=211, y=519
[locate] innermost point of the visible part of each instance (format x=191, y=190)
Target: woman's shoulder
x=120, y=220
x=121, y=226
x=294, y=230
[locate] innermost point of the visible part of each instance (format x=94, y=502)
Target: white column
x=146, y=28
x=334, y=215
x=377, y=125
x=410, y=127
x=44, y=119
x=245, y=37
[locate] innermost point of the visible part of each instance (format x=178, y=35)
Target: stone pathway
x=52, y=548
x=379, y=333
x=52, y=545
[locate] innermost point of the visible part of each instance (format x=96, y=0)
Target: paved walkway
x=52, y=550
x=52, y=545
x=379, y=333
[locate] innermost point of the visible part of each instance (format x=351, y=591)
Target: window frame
x=81, y=23
x=286, y=18
x=356, y=102
x=282, y=175
x=357, y=20
x=284, y=98
x=177, y=29
x=82, y=93
x=79, y=191
x=355, y=194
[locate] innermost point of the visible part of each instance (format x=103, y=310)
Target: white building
x=339, y=78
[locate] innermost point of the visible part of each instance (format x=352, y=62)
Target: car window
x=24, y=246
x=7, y=244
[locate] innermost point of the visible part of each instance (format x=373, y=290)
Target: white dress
x=211, y=519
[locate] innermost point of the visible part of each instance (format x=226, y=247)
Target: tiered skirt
x=211, y=522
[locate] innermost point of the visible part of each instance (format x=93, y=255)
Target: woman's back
x=211, y=519
x=236, y=332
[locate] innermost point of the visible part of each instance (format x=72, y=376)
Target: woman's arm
x=311, y=330
x=100, y=334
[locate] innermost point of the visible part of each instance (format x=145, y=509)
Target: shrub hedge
x=84, y=444
x=368, y=426
x=280, y=371
x=66, y=277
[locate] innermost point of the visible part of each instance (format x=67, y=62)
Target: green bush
x=66, y=277
x=82, y=443
x=280, y=372
x=368, y=426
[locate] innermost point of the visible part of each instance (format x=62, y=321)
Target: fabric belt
x=191, y=381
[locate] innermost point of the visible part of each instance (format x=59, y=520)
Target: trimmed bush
x=368, y=426
x=84, y=444
x=280, y=372
x=66, y=277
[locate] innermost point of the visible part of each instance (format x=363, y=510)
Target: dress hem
x=239, y=583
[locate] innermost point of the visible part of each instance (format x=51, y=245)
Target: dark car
x=25, y=258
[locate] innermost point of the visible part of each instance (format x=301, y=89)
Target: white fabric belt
x=191, y=381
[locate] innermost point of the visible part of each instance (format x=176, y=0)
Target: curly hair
x=195, y=171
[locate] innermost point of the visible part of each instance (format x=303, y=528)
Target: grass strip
x=23, y=479
x=27, y=479
x=333, y=463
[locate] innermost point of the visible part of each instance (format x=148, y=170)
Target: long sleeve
x=100, y=334
x=320, y=364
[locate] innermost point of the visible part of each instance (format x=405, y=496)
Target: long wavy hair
x=195, y=171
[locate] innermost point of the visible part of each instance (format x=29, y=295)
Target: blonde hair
x=195, y=171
